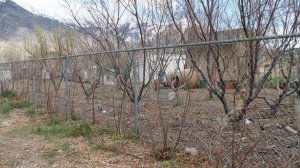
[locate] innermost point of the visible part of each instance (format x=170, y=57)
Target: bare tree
x=203, y=20
x=60, y=44
x=260, y=19
x=105, y=23
x=209, y=21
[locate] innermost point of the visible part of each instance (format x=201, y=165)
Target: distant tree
x=61, y=44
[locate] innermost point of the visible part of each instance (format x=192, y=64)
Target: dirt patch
x=19, y=147
x=261, y=143
x=14, y=120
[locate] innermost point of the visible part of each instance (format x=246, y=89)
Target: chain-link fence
x=231, y=99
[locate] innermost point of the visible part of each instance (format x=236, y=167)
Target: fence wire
x=178, y=87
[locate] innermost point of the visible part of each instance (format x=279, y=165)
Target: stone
x=191, y=151
x=249, y=121
x=291, y=130
x=280, y=126
x=166, y=94
x=101, y=110
x=266, y=126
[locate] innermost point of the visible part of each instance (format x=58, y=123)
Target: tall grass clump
x=30, y=112
x=8, y=94
x=22, y=104
x=54, y=120
x=6, y=108
x=49, y=131
x=82, y=129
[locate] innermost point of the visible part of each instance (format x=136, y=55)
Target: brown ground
x=19, y=147
x=205, y=127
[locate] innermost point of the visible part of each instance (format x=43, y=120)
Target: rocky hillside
x=13, y=18
x=16, y=25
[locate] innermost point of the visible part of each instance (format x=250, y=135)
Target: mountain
x=16, y=25
x=13, y=18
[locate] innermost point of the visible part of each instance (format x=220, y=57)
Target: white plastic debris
x=249, y=121
x=191, y=151
x=291, y=130
x=101, y=110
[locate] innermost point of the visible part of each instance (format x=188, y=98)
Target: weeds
x=54, y=120
x=30, y=112
x=22, y=104
x=55, y=128
x=8, y=103
x=8, y=94
x=49, y=131
x=83, y=129
x=6, y=108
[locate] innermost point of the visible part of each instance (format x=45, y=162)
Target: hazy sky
x=53, y=8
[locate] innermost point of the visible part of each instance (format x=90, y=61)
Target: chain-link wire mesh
x=187, y=95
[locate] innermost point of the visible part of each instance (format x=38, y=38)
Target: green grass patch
x=49, y=131
x=54, y=120
x=6, y=108
x=82, y=129
x=8, y=94
x=68, y=129
x=22, y=104
x=30, y=112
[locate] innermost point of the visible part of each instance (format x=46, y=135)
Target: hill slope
x=13, y=17
x=16, y=25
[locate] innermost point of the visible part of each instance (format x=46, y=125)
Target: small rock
x=279, y=126
x=101, y=110
x=266, y=126
x=249, y=121
x=191, y=151
x=291, y=130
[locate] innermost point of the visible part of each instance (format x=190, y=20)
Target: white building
x=170, y=63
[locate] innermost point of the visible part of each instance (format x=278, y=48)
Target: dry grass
x=21, y=147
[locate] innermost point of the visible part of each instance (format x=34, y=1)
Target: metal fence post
x=13, y=76
x=135, y=92
x=1, y=78
x=34, y=83
x=1, y=87
x=67, y=78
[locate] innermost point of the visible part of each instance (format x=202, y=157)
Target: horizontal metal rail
x=203, y=43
